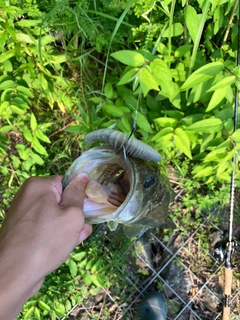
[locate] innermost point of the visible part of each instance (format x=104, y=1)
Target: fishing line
x=231, y=244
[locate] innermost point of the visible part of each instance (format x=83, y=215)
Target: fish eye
x=149, y=182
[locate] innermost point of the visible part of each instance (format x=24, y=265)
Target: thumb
x=74, y=193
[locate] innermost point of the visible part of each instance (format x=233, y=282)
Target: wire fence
x=184, y=268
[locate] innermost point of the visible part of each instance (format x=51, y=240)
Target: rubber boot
x=152, y=307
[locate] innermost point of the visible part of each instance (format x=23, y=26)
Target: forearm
x=18, y=282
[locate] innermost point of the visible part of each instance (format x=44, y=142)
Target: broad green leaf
x=166, y=122
x=30, y=311
x=33, y=122
x=124, y=125
x=6, y=55
x=72, y=267
x=215, y=155
x=207, y=126
x=87, y=278
x=207, y=138
x=6, y=128
x=60, y=313
x=75, y=128
x=225, y=82
x=40, y=135
x=37, y=146
x=43, y=306
x=61, y=58
x=46, y=40
x=27, y=134
x=112, y=110
x=162, y=141
x=202, y=74
x=37, y=159
x=37, y=314
x=143, y=123
x=183, y=50
x=128, y=76
x=9, y=84
x=53, y=315
x=147, y=81
x=79, y=256
x=108, y=90
x=182, y=142
x=192, y=21
x=162, y=133
x=236, y=136
x=217, y=97
x=175, y=30
x=96, y=100
x=225, y=114
x=26, y=91
x=43, y=81
x=96, y=280
x=22, y=37
x=204, y=172
x=28, y=23
x=128, y=57
x=7, y=66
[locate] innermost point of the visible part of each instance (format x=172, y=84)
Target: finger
x=85, y=233
x=74, y=193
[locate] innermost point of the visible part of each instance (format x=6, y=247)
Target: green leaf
x=112, y=110
x=207, y=138
x=225, y=82
x=207, y=126
x=6, y=55
x=33, y=122
x=108, y=90
x=183, y=50
x=6, y=128
x=236, y=136
x=25, y=91
x=217, y=97
x=192, y=21
x=22, y=37
x=40, y=135
x=128, y=57
x=147, y=81
x=75, y=128
x=29, y=313
x=60, y=313
x=37, y=146
x=166, y=122
x=162, y=133
x=43, y=306
x=96, y=100
x=9, y=84
x=97, y=281
x=202, y=74
x=204, y=172
x=27, y=134
x=79, y=256
x=175, y=30
x=87, y=278
x=37, y=314
x=72, y=267
x=128, y=76
x=37, y=159
x=182, y=142
x=43, y=82
x=143, y=123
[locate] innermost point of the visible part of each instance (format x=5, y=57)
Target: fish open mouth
x=109, y=190
x=110, y=180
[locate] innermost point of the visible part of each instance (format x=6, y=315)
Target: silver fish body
x=140, y=196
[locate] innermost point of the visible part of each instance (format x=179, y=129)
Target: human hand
x=44, y=224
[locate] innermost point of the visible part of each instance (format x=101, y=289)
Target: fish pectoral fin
x=112, y=225
x=132, y=231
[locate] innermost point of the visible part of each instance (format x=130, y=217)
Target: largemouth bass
x=123, y=189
